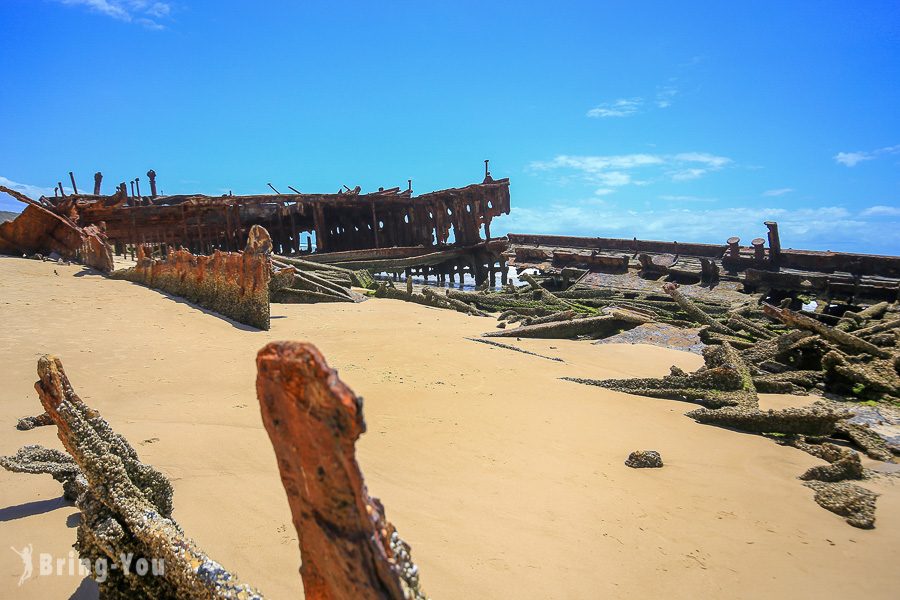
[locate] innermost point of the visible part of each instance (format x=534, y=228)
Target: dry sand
x=506, y=481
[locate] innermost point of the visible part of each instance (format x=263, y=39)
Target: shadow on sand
x=29, y=509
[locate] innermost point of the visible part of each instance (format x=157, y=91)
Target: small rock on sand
x=644, y=459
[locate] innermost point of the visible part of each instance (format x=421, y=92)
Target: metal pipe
x=774, y=241
x=759, y=250
x=98, y=177
x=72, y=177
x=734, y=248
x=151, y=174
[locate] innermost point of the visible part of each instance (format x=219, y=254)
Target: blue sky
x=691, y=121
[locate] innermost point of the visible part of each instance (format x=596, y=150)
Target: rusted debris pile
x=440, y=232
x=38, y=230
x=235, y=284
x=126, y=506
x=349, y=548
x=794, y=354
x=299, y=281
x=789, y=352
x=482, y=262
x=770, y=271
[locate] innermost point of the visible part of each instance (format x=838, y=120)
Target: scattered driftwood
x=349, y=548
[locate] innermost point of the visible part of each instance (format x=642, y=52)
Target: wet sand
x=506, y=481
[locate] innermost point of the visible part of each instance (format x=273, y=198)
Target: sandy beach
x=506, y=481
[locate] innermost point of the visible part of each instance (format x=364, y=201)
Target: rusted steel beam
x=349, y=548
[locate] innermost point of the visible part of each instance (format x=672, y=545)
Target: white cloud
x=881, y=211
x=603, y=192
x=710, y=160
x=851, y=159
x=596, y=164
x=665, y=95
x=623, y=107
x=619, y=170
x=32, y=191
x=687, y=174
x=823, y=228
x=777, y=192
x=672, y=198
x=141, y=12
x=159, y=9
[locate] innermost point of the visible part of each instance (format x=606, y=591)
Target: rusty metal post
x=137, y=185
x=734, y=247
x=62, y=192
x=98, y=178
x=74, y=187
x=759, y=249
x=774, y=241
x=374, y=223
x=132, y=188
x=151, y=174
